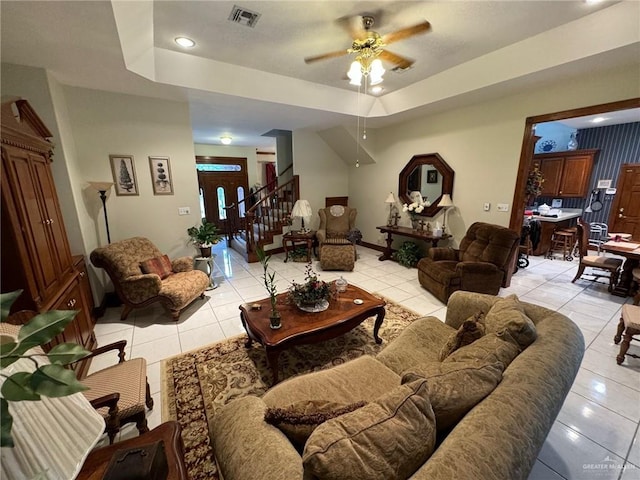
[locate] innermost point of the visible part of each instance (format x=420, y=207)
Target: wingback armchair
x=142, y=275
x=336, y=246
x=481, y=264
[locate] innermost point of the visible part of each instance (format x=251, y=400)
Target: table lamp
x=445, y=203
x=102, y=188
x=391, y=201
x=302, y=209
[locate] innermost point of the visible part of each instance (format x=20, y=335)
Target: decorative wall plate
x=548, y=145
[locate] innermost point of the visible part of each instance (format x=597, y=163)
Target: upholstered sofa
x=142, y=275
x=498, y=438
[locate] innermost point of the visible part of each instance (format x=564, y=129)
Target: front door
x=223, y=183
x=625, y=213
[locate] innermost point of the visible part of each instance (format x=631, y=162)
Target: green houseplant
x=269, y=279
x=49, y=380
x=408, y=254
x=204, y=236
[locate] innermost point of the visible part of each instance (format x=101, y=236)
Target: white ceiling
x=246, y=81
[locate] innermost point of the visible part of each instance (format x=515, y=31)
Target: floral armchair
x=336, y=237
x=142, y=275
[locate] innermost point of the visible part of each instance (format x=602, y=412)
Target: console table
x=407, y=232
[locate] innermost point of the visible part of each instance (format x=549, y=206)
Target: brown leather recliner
x=482, y=264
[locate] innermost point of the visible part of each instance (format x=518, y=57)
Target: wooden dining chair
x=609, y=264
x=628, y=327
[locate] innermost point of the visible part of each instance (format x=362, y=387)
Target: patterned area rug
x=195, y=384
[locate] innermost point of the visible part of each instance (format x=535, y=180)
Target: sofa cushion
x=386, y=439
x=491, y=348
x=161, y=266
x=508, y=314
x=419, y=343
x=298, y=420
x=456, y=387
x=470, y=330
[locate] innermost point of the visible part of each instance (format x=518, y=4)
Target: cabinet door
x=51, y=210
x=575, y=176
x=551, y=169
x=32, y=221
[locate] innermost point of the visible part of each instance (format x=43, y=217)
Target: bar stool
x=630, y=325
x=563, y=240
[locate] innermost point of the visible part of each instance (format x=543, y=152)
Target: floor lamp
x=102, y=188
x=445, y=203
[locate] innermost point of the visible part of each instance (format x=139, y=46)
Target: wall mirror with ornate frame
x=428, y=174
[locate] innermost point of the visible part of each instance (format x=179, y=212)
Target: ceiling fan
x=368, y=43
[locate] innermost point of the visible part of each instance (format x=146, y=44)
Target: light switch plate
x=503, y=207
x=184, y=211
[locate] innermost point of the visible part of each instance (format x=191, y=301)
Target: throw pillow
x=384, y=440
x=298, y=420
x=491, y=348
x=470, y=331
x=508, y=314
x=161, y=266
x=456, y=387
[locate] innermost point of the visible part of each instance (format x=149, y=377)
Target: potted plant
x=48, y=380
x=313, y=295
x=204, y=237
x=407, y=255
x=270, y=285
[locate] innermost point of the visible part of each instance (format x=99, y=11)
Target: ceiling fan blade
x=406, y=32
x=353, y=25
x=401, y=62
x=325, y=56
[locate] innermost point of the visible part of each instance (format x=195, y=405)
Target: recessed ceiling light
x=226, y=140
x=185, y=42
x=598, y=119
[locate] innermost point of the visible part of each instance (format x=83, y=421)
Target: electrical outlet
x=486, y=207
x=503, y=207
x=184, y=211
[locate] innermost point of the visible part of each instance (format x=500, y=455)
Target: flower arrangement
x=312, y=291
x=534, y=182
x=414, y=209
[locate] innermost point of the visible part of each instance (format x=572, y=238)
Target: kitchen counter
x=567, y=214
x=549, y=224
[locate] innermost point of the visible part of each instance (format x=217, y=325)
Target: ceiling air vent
x=243, y=16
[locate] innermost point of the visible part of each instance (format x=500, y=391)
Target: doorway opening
x=223, y=183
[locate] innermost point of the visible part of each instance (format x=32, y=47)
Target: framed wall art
x=161, y=175
x=124, y=174
x=432, y=176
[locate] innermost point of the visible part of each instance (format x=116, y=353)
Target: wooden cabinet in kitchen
x=566, y=174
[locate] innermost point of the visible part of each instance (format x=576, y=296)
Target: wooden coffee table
x=301, y=328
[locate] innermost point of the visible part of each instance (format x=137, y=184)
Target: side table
x=96, y=463
x=289, y=240
x=407, y=232
x=205, y=264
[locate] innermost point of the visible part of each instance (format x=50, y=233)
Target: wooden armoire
x=35, y=250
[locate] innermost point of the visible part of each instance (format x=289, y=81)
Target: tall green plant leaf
x=18, y=387
x=6, y=300
x=42, y=328
x=5, y=426
x=55, y=381
x=65, y=353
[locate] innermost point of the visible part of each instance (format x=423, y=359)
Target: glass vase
x=274, y=319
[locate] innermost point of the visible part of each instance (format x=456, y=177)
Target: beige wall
x=322, y=173
x=481, y=143
x=109, y=123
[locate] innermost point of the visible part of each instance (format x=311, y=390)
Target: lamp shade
x=101, y=186
x=390, y=198
x=302, y=208
x=445, y=201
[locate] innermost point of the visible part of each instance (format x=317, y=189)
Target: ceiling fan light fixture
x=355, y=73
x=226, y=140
x=185, y=42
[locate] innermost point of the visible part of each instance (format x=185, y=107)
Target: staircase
x=263, y=220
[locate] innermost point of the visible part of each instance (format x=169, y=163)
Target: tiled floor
x=596, y=433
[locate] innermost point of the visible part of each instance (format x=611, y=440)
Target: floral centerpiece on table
x=313, y=291
x=414, y=209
